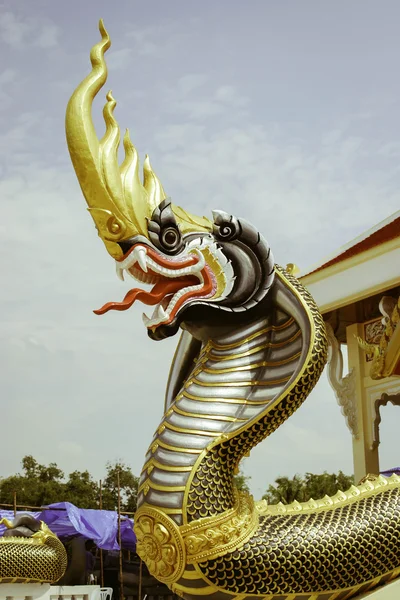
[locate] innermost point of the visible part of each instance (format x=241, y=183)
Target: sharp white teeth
x=161, y=314
x=120, y=272
x=141, y=258
x=143, y=268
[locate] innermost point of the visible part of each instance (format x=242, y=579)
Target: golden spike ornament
x=118, y=202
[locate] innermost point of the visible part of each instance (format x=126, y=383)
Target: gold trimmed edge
x=215, y=358
x=213, y=537
x=355, y=493
x=251, y=383
x=287, y=390
x=152, y=462
x=148, y=483
x=253, y=336
x=189, y=396
x=223, y=418
x=263, y=363
x=202, y=432
x=176, y=448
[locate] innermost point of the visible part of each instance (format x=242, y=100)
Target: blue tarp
x=101, y=526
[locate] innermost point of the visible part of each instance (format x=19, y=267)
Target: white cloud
x=70, y=448
x=21, y=32
x=48, y=36
x=227, y=94
x=389, y=435
x=6, y=101
x=12, y=30
x=281, y=184
x=7, y=76
x=119, y=59
x=157, y=39
x=190, y=82
x=190, y=101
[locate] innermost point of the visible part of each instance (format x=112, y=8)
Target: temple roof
x=365, y=268
x=384, y=231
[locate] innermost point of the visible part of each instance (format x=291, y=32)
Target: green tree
x=302, y=489
x=326, y=484
x=81, y=490
x=30, y=466
x=285, y=490
x=37, y=485
x=128, y=487
x=241, y=482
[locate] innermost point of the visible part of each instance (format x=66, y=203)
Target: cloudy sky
x=285, y=113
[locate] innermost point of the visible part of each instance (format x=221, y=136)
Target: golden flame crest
x=118, y=202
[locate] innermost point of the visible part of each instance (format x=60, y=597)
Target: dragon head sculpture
x=223, y=265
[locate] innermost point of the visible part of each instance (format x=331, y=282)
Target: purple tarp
x=101, y=526
x=389, y=472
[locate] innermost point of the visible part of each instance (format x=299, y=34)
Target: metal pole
x=140, y=580
x=121, y=583
x=101, y=551
x=15, y=504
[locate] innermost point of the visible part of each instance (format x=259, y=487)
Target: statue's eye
x=164, y=230
x=226, y=230
x=170, y=238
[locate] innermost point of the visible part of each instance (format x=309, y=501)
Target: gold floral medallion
x=159, y=544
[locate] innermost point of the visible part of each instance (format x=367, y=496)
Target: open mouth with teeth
x=175, y=280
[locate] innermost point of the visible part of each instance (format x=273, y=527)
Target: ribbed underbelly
x=230, y=385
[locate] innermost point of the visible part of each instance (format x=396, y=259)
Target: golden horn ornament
x=118, y=202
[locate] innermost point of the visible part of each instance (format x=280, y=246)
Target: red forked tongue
x=159, y=291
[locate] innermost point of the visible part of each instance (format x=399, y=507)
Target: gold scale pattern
x=212, y=489
x=344, y=550
x=28, y=560
x=318, y=552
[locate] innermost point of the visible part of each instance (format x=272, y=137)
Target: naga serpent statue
x=253, y=346
x=30, y=552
